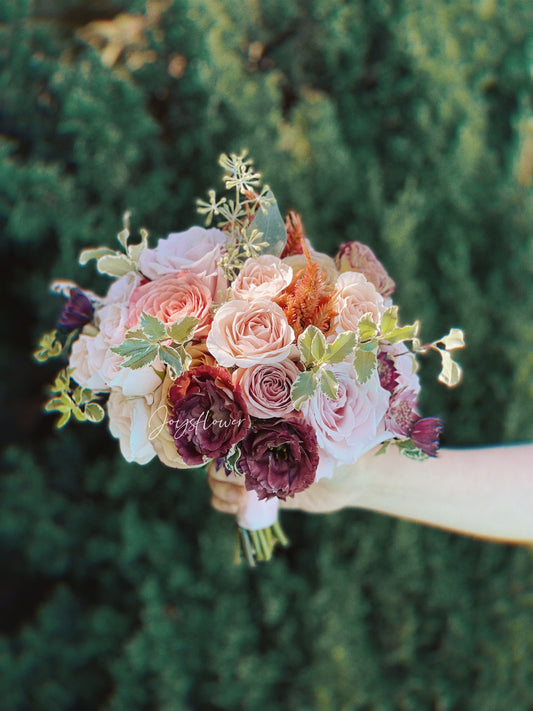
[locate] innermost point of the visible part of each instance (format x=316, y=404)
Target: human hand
x=227, y=491
x=324, y=496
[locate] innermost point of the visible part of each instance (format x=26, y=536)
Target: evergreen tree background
x=401, y=123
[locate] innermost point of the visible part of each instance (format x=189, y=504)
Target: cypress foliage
x=398, y=123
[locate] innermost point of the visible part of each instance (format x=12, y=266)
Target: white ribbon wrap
x=254, y=515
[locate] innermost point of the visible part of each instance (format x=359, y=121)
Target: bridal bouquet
x=242, y=344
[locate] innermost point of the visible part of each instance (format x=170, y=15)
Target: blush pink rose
x=197, y=250
x=95, y=365
x=262, y=278
x=352, y=424
x=246, y=333
x=354, y=297
x=266, y=389
x=358, y=257
x=171, y=298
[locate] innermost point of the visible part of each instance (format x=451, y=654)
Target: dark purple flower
x=77, y=311
x=279, y=457
x=425, y=435
x=208, y=415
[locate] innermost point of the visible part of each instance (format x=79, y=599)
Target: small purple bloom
x=279, y=457
x=425, y=435
x=77, y=311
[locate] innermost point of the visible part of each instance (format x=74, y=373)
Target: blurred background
x=405, y=124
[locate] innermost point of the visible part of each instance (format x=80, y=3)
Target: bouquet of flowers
x=240, y=343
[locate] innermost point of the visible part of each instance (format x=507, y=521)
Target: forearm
x=486, y=492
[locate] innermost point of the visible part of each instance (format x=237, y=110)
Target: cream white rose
x=128, y=422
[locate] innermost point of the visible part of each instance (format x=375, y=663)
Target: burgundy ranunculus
x=77, y=311
x=208, y=414
x=425, y=435
x=279, y=457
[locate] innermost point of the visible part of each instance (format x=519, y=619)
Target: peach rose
x=266, y=389
x=262, y=278
x=355, y=296
x=245, y=333
x=171, y=298
x=357, y=257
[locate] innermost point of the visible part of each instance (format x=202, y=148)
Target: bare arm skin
x=485, y=492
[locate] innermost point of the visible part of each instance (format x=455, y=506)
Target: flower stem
x=258, y=546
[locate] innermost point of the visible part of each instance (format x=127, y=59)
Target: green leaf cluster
x=316, y=355
x=154, y=339
x=451, y=372
x=77, y=402
x=113, y=263
x=49, y=347
x=252, y=219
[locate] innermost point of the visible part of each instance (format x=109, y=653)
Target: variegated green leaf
x=172, y=357
x=182, y=331
x=404, y=333
x=367, y=328
x=96, y=253
x=312, y=346
x=342, y=347
x=94, y=412
x=49, y=347
x=389, y=320
x=115, y=265
x=365, y=362
x=135, y=250
x=455, y=339
x=130, y=346
x=138, y=352
x=152, y=327
x=451, y=372
x=329, y=383
x=303, y=388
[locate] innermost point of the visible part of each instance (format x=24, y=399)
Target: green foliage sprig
x=154, y=339
x=112, y=262
x=78, y=402
x=316, y=354
x=251, y=218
